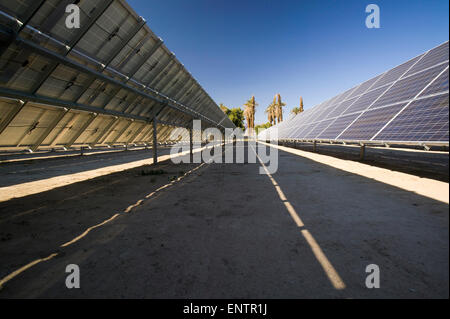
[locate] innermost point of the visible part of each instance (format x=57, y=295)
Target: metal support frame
x=19, y=95
x=136, y=133
x=75, y=65
x=145, y=134
x=85, y=28
x=37, y=5
x=182, y=90
x=81, y=130
x=134, y=70
x=362, y=152
x=72, y=120
x=166, y=79
x=168, y=65
x=155, y=141
x=11, y=115
x=105, y=131
x=49, y=129
x=125, y=128
x=169, y=82
x=55, y=64
x=133, y=52
x=191, y=145
x=194, y=97
x=183, y=97
x=57, y=59
x=170, y=123
x=111, y=58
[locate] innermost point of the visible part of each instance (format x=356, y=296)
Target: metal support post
x=362, y=152
x=155, y=142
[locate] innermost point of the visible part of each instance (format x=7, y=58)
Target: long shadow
x=228, y=234
x=32, y=226
x=17, y=173
x=434, y=165
x=359, y=221
x=189, y=242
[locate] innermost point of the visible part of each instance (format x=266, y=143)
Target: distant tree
x=271, y=112
x=301, y=104
x=279, y=108
x=224, y=108
x=298, y=109
x=236, y=116
x=249, y=112
x=261, y=127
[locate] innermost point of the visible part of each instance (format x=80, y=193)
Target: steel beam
x=169, y=82
x=70, y=122
x=168, y=65
x=18, y=95
x=81, y=130
x=362, y=152
x=84, y=29
x=75, y=65
x=125, y=128
x=107, y=131
x=171, y=123
x=49, y=129
x=184, y=89
x=135, y=134
x=191, y=145
x=11, y=115
x=134, y=71
x=125, y=41
x=155, y=141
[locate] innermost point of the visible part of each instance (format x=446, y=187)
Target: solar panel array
x=406, y=104
x=102, y=83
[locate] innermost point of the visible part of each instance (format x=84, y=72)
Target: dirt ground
x=225, y=231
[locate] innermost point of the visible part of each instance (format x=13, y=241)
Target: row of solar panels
x=407, y=104
x=102, y=83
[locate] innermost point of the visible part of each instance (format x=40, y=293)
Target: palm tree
x=223, y=108
x=296, y=110
x=249, y=112
x=301, y=104
x=279, y=108
x=271, y=112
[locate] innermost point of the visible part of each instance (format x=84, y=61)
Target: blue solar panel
x=337, y=126
x=431, y=58
x=409, y=87
x=369, y=123
x=365, y=100
x=406, y=103
x=440, y=85
x=423, y=120
x=395, y=73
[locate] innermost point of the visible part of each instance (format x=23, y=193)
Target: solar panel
x=337, y=126
x=423, y=120
x=102, y=83
x=408, y=103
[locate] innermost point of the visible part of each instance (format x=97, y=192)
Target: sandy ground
x=30, y=177
x=225, y=231
x=434, y=165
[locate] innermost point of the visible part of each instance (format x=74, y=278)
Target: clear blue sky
x=315, y=49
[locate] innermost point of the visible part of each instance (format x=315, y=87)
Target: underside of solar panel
x=103, y=83
x=405, y=105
